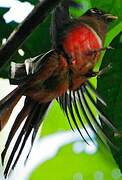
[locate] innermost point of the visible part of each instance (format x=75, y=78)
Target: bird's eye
x=97, y=11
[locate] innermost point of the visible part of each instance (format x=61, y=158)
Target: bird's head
x=98, y=20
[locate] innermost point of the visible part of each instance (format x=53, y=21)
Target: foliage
x=110, y=85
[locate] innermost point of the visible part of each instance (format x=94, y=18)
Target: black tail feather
x=79, y=116
x=63, y=101
x=84, y=111
x=103, y=117
x=99, y=98
x=73, y=100
x=96, y=122
x=70, y=106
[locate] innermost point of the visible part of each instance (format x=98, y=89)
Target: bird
x=63, y=74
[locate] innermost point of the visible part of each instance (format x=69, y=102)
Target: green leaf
x=69, y=165
x=110, y=87
x=111, y=6
x=54, y=121
x=85, y=5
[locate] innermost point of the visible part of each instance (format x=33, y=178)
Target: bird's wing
x=60, y=19
x=21, y=72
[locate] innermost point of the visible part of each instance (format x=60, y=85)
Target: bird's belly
x=77, y=82
x=81, y=39
x=46, y=95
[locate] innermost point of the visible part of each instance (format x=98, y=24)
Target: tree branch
x=18, y=36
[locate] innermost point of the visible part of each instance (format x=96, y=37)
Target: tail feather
x=6, y=106
x=74, y=102
x=19, y=119
x=34, y=113
x=40, y=112
x=17, y=143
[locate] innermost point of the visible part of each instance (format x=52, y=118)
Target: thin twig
x=18, y=36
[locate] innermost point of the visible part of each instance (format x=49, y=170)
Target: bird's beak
x=109, y=17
